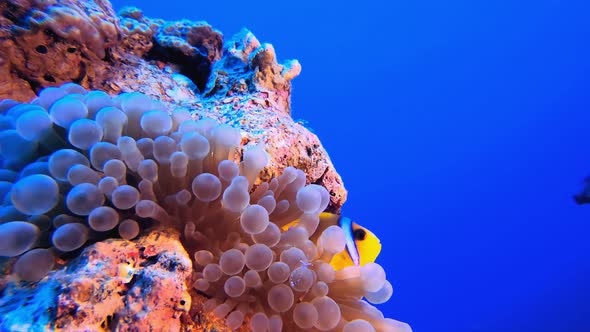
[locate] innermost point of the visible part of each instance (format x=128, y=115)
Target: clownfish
x=362, y=246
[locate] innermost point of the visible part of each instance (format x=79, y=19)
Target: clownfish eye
x=359, y=234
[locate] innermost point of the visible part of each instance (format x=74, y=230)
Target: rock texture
x=114, y=284
x=182, y=63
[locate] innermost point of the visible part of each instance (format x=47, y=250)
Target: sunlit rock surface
x=139, y=285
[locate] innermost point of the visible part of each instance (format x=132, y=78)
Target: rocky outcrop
x=181, y=63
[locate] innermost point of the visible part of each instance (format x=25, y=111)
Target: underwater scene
x=377, y=166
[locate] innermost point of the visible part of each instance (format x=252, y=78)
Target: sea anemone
x=81, y=166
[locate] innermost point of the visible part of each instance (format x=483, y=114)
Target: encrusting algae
x=97, y=185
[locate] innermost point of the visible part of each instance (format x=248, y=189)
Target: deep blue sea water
x=461, y=130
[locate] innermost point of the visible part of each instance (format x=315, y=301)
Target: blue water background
x=461, y=130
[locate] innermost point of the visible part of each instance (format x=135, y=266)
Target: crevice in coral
x=42, y=49
x=49, y=78
x=151, y=260
x=320, y=180
x=34, y=85
x=110, y=322
x=196, y=68
x=82, y=75
x=108, y=55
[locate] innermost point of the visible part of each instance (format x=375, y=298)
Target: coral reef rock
x=152, y=178
x=182, y=63
x=133, y=286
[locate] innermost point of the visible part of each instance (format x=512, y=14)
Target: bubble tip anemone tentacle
x=122, y=183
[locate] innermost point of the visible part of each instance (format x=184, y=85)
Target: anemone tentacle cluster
x=79, y=166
